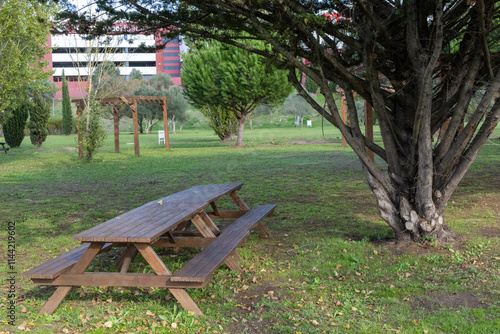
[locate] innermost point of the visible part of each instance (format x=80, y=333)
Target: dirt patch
x=490, y=232
x=452, y=301
x=247, y=316
x=408, y=247
x=305, y=142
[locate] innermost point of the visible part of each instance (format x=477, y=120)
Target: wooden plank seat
x=55, y=267
x=201, y=267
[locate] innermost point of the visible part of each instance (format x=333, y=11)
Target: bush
x=39, y=116
x=13, y=129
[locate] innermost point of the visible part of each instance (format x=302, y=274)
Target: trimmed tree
x=13, y=129
x=67, y=116
x=418, y=63
x=39, y=115
x=223, y=77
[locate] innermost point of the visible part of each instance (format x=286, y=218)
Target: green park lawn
x=330, y=267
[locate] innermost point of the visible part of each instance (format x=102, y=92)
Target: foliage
x=162, y=85
x=13, y=128
x=222, y=121
x=418, y=63
x=135, y=74
x=67, y=115
x=296, y=105
x=39, y=116
x=24, y=28
x=311, y=86
x=91, y=129
x=221, y=78
x=106, y=80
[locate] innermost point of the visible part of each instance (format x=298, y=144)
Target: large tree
x=418, y=62
x=230, y=78
x=24, y=29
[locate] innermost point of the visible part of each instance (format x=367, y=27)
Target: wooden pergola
x=132, y=102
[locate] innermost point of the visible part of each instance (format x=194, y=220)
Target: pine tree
x=13, y=129
x=67, y=117
x=39, y=115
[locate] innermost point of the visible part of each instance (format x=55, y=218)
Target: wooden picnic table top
x=147, y=223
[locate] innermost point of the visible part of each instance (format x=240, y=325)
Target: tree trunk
x=241, y=127
x=139, y=122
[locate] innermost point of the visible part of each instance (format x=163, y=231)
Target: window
x=166, y=68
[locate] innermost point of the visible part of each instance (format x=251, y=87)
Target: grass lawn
x=330, y=266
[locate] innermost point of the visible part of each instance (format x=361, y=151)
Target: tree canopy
x=217, y=75
x=419, y=63
x=24, y=29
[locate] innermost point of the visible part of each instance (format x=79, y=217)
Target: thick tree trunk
x=241, y=128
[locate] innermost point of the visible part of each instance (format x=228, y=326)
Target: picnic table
x=3, y=148
x=165, y=222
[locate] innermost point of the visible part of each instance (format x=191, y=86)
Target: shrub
x=39, y=116
x=13, y=129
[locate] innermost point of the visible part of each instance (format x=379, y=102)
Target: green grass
x=330, y=266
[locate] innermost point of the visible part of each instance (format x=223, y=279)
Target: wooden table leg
x=159, y=267
x=201, y=225
x=209, y=223
x=79, y=267
x=239, y=202
x=126, y=258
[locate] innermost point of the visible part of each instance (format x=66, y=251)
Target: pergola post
x=136, y=126
x=80, y=105
x=165, y=124
x=116, y=122
x=369, y=127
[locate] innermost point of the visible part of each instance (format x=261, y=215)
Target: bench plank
x=204, y=264
x=55, y=267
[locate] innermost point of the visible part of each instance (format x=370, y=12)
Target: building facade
x=77, y=57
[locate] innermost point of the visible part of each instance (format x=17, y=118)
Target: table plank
x=147, y=223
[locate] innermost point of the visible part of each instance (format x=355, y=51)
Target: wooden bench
x=201, y=267
x=58, y=265
x=3, y=148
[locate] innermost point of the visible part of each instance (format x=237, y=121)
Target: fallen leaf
x=148, y=312
x=108, y=324
x=416, y=322
x=23, y=310
x=407, y=275
x=22, y=326
x=315, y=323
x=354, y=309
x=392, y=286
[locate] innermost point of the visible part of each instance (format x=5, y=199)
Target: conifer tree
x=39, y=115
x=67, y=117
x=13, y=129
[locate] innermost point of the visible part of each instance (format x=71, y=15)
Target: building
x=78, y=56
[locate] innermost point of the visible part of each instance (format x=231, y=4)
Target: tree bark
x=241, y=128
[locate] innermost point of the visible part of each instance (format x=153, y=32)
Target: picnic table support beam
x=160, y=269
x=61, y=292
x=165, y=124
